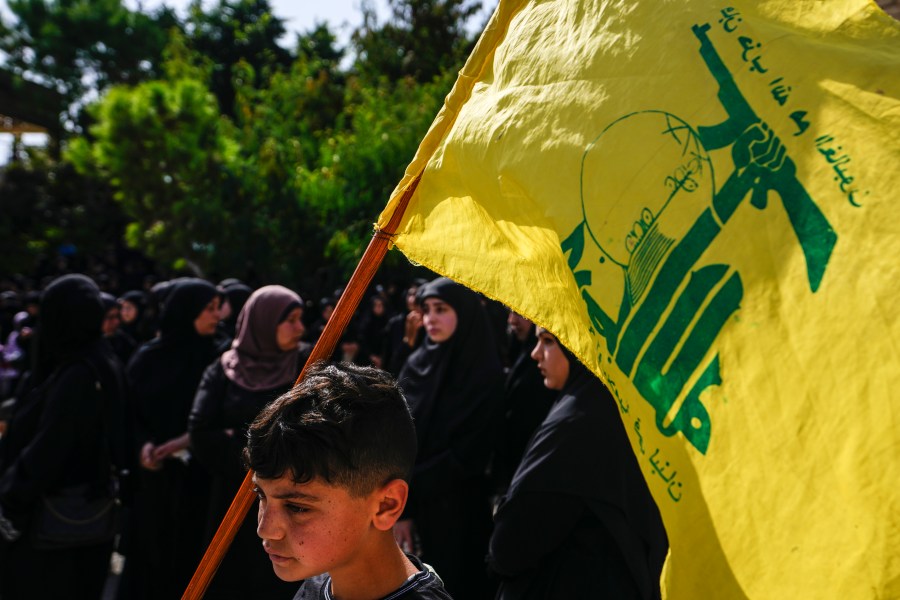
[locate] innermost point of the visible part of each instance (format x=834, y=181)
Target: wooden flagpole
x=346, y=306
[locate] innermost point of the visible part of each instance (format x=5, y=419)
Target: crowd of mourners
x=132, y=411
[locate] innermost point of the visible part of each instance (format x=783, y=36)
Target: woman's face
x=377, y=307
x=439, y=319
x=289, y=331
x=110, y=321
x=553, y=364
x=206, y=322
x=127, y=311
x=411, y=297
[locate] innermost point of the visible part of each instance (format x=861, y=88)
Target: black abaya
x=66, y=432
x=454, y=391
x=526, y=403
x=578, y=519
x=169, y=514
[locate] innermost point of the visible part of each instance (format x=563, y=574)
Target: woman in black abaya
x=235, y=295
x=578, y=520
x=526, y=401
x=137, y=319
x=123, y=345
x=261, y=364
x=64, y=437
x=170, y=506
x=454, y=385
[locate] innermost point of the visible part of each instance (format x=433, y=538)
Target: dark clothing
x=394, y=350
x=454, y=390
x=66, y=431
x=236, y=294
x=123, y=345
x=163, y=377
x=57, y=438
x=72, y=573
x=372, y=334
x=604, y=537
x=71, y=315
x=424, y=585
x=526, y=403
x=165, y=531
x=164, y=373
x=170, y=510
x=220, y=404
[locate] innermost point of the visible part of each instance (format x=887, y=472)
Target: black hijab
x=237, y=295
x=583, y=434
x=109, y=301
x=183, y=303
x=71, y=318
x=453, y=384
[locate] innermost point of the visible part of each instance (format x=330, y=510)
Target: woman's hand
x=411, y=327
x=147, y=460
x=169, y=448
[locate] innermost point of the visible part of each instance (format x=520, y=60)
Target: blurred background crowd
x=127, y=411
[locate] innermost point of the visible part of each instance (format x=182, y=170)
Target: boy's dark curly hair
x=345, y=424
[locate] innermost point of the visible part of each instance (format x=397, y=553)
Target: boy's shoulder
x=424, y=585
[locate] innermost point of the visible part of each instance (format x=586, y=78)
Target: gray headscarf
x=255, y=362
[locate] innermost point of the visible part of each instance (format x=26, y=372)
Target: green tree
x=236, y=31
x=74, y=50
x=161, y=147
x=422, y=39
x=45, y=205
x=216, y=192
x=80, y=48
x=285, y=182
x=361, y=163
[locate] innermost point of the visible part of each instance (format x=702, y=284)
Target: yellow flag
x=700, y=199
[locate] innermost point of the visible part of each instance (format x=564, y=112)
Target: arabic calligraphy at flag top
x=698, y=199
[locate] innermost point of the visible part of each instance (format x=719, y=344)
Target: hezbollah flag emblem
x=699, y=201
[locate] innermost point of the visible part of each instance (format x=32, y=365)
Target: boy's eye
x=293, y=508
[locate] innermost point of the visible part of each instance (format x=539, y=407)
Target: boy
x=330, y=460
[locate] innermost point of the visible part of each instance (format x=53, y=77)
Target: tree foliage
x=46, y=206
x=423, y=39
x=241, y=158
x=80, y=48
x=232, y=32
x=161, y=147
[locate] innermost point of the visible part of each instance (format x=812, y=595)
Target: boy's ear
x=391, y=499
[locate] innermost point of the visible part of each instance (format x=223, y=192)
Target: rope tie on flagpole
x=381, y=234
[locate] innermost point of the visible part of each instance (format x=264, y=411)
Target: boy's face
x=311, y=528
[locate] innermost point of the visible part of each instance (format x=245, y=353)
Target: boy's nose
x=267, y=526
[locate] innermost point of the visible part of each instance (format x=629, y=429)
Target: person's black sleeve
x=529, y=526
x=210, y=443
x=68, y=417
